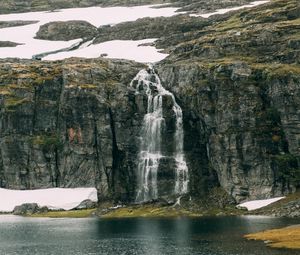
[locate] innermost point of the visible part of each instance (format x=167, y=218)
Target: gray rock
x=8, y=44
x=25, y=209
x=86, y=204
x=65, y=31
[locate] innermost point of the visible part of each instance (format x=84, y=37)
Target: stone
x=239, y=95
x=86, y=204
x=26, y=209
x=66, y=31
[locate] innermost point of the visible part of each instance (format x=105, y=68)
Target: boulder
x=86, y=204
x=26, y=209
x=65, y=31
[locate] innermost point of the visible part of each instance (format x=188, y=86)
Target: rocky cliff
x=68, y=124
x=239, y=83
x=77, y=122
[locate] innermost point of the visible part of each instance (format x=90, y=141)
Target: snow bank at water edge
x=256, y=204
x=56, y=198
x=223, y=11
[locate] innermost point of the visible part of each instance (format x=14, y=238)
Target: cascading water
x=150, y=154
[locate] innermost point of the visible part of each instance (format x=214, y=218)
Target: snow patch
x=55, y=199
x=256, y=204
x=223, y=11
x=97, y=16
x=125, y=49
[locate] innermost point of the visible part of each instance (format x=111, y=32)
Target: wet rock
x=16, y=23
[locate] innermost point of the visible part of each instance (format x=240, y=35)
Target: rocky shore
x=288, y=237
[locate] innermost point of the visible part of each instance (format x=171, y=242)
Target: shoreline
x=283, y=238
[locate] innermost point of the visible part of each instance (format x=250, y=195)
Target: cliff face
x=78, y=122
x=240, y=82
x=246, y=124
x=69, y=124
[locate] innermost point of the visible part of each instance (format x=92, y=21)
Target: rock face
x=65, y=31
x=244, y=130
x=245, y=106
x=71, y=124
x=77, y=124
x=15, y=23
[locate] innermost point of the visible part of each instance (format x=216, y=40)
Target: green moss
x=232, y=23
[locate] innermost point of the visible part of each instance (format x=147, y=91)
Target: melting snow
x=56, y=198
x=115, y=49
x=222, y=11
x=256, y=204
x=95, y=15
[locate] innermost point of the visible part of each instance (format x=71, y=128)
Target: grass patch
x=65, y=214
x=279, y=238
x=150, y=211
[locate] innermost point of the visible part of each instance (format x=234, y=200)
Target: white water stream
x=150, y=154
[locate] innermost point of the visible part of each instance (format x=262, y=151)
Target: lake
x=203, y=236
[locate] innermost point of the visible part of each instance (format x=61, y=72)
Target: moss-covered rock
x=66, y=31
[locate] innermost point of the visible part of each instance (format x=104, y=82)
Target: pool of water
x=203, y=236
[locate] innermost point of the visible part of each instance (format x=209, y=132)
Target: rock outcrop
x=70, y=124
x=66, y=31
x=240, y=85
x=8, y=44
x=26, y=209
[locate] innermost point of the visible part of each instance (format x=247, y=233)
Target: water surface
x=203, y=236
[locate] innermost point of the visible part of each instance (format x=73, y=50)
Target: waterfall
x=148, y=82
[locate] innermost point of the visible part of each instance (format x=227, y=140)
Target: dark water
x=204, y=236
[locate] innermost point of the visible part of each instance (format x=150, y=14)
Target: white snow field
x=115, y=49
x=55, y=198
x=95, y=15
x=225, y=10
x=256, y=204
x=98, y=16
